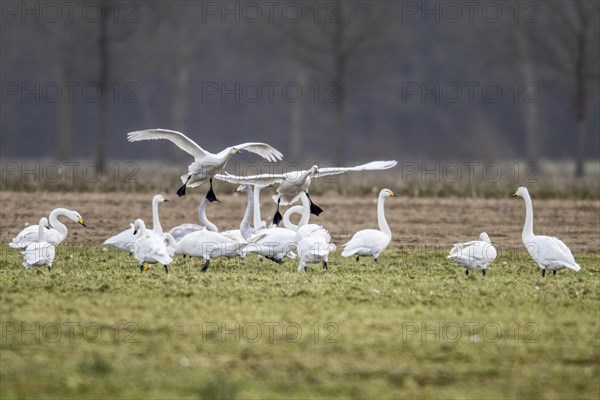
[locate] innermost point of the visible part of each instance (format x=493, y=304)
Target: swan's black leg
x=543, y=273
x=466, y=272
x=314, y=209
x=357, y=258
x=277, y=217
x=211, y=194
x=205, y=266
x=181, y=190
x=49, y=268
x=142, y=268
x=278, y=261
x=325, y=265
x=166, y=269
x=483, y=271
x=554, y=272
x=375, y=260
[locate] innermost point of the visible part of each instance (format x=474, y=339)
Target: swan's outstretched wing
x=263, y=179
x=264, y=150
x=372, y=166
x=183, y=142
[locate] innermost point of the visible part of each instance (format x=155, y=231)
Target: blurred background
x=323, y=81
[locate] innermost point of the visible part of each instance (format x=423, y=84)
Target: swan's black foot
x=210, y=196
x=49, y=268
x=466, y=272
x=554, y=272
x=277, y=260
x=277, y=218
x=314, y=209
x=142, y=268
x=166, y=269
x=357, y=258
x=205, y=266
x=375, y=260
x=543, y=273
x=325, y=265
x=483, y=272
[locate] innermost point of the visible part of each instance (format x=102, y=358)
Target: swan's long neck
x=257, y=221
x=202, y=216
x=383, y=225
x=287, y=223
x=41, y=237
x=56, y=224
x=156, y=227
x=528, y=228
x=245, y=228
x=305, y=210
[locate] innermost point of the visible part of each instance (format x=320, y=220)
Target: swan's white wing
x=183, y=142
x=264, y=150
x=263, y=179
x=551, y=250
x=372, y=166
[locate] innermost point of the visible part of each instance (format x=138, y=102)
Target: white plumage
x=208, y=245
x=371, y=242
x=548, y=252
x=40, y=252
x=149, y=247
x=474, y=254
x=180, y=231
x=54, y=235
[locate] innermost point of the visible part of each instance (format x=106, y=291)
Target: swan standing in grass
x=123, y=240
x=548, y=252
x=40, y=252
x=293, y=183
x=206, y=165
x=149, y=247
x=181, y=230
x=474, y=254
x=55, y=235
x=371, y=242
x=208, y=245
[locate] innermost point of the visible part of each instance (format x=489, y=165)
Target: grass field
x=412, y=326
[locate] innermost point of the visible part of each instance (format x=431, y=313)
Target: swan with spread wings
x=206, y=165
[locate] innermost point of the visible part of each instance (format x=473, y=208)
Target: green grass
x=510, y=334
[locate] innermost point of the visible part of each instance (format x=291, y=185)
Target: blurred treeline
x=337, y=81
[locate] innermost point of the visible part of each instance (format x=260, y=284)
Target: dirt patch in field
x=415, y=222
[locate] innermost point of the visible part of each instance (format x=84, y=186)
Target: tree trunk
x=103, y=86
x=65, y=127
x=581, y=147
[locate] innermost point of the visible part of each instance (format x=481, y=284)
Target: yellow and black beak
x=165, y=200
x=237, y=151
x=80, y=221
x=515, y=195
x=393, y=194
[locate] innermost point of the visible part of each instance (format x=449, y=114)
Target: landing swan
x=55, y=235
x=474, y=254
x=206, y=165
x=371, y=242
x=548, y=252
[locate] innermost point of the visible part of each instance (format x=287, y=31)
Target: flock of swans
x=309, y=243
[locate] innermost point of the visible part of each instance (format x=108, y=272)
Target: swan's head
x=76, y=217
x=235, y=150
x=138, y=224
x=521, y=192
x=244, y=188
x=314, y=169
x=159, y=198
x=44, y=222
x=387, y=193
x=484, y=237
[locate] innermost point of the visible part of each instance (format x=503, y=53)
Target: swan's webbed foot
x=483, y=271
x=181, y=190
x=277, y=217
x=543, y=273
x=314, y=209
x=210, y=195
x=205, y=268
x=166, y=269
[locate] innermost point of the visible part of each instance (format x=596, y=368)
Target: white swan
x=206, y=165
x=371, y=242
x=274, y=244
x=208, y=245
x=181, y=230
x=474, y=254
x=123, y=240
x=548, y=252
x=295, y=182
x=40, y=252
x=55, y=235
x=149, y=247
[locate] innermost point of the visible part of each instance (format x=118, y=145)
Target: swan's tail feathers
x=16, y=245
x=575, y=267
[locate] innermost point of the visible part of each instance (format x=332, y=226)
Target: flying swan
x=206, y=165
